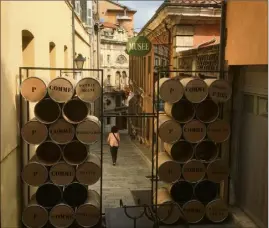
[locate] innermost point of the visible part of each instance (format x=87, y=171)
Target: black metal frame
x=23, y=120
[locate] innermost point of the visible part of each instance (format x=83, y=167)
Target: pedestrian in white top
x=114, y=143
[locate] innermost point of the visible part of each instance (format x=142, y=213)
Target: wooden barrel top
x=193, y=171
x=62, y=216
x=207, y=111
x=88, y=89
x=219, y=131
x=75, y=153
x=181, y=151
x=62, y=173
x=88, y=131
x=34, y=132
x=206, y=151
x=33, y=89
x=217, y=211
x=169, y=171
x=34, y=174
x=48, y=153
x=169, y=130
x=35, y=216
x=194, y=131
x=219, y=90
x=90, y=171
x=206, y=191
x=217, y=171
x=60, y=89
x=61, y=132
x=194, y=211
x=170, y=90
x=196, y=90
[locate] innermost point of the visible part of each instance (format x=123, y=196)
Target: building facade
x=33, y=34
x=116, y=27
x=176, y=26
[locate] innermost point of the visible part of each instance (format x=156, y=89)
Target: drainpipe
x=73, y=32
x=222, y=39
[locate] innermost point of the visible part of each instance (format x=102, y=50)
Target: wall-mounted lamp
x=79, y=60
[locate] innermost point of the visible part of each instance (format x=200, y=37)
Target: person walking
x=114, y=143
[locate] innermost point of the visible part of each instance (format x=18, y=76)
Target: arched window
x=121, y=59
x=28, y=50
x=52, y=54
x=117, y=79
x=123, y=80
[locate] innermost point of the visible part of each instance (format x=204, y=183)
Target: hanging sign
x=138, y=46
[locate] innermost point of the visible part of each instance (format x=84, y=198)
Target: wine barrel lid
x=181, y=191
x=193, y=171
x=207, y=111
x=87, y=215
x=194, y=211
x=61, y=132
x=34, y=174
x=88, y=131
x=219, y=90
x=170, y=90
x=206, y=191
x=75, y=194
x=181, y=151
x=62, y=216
x=88, y=89
x=35, y=216
x=217, y=171
x=218, y=131
x=183, y=111
x=169, y=130
x=60, y=90
x=62, y=173
x=34, y=132
x=196, y=90
x=48, y=153
x=33, y=89
x=217, y=211
x=89, y=172
x=169, y=171
x=206, y=151
x=194, y=131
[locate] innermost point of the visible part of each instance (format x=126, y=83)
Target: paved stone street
x=128, y=175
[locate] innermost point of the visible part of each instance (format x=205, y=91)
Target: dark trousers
x=114, y=153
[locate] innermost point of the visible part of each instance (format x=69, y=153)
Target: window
x=117, y=79
x=108, y=59
x=121, y=59
x=108, y=120
x=156, y=62
x=89, y=13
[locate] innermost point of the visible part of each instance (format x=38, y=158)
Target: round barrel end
x=61, y=132
x=170, y=90
x=194, y=211
x=48, y=153
x=193, y=171
x=75, y=194
x=75, y=153
x=62, y=174
x=88, y=215
x=34, y=132
x=48, y=195
x=169, y=171
x=35, y=216
x=88, y=90
x=217, y=171
x=220, y=90
x=217, y=211
x=75, y=111
x=194, y=131
x=181, y=191
x=34, y=174
x=206, y=151
x=219, y=131
x=60, y=90
x=62, y=216
x=206, y=191
x=33, y=89
x=207, y=111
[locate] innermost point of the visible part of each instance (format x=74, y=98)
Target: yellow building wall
x=48, y=21
x=247, y=27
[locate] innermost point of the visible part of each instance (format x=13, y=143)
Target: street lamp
x=79, y=60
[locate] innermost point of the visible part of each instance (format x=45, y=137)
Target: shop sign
x=138, y=46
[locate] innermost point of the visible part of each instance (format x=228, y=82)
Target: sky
x=145, y=10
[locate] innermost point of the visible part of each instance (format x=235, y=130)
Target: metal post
x=222, y=39
x=73, y=32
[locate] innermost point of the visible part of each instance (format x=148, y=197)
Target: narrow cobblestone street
x=128, y=175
